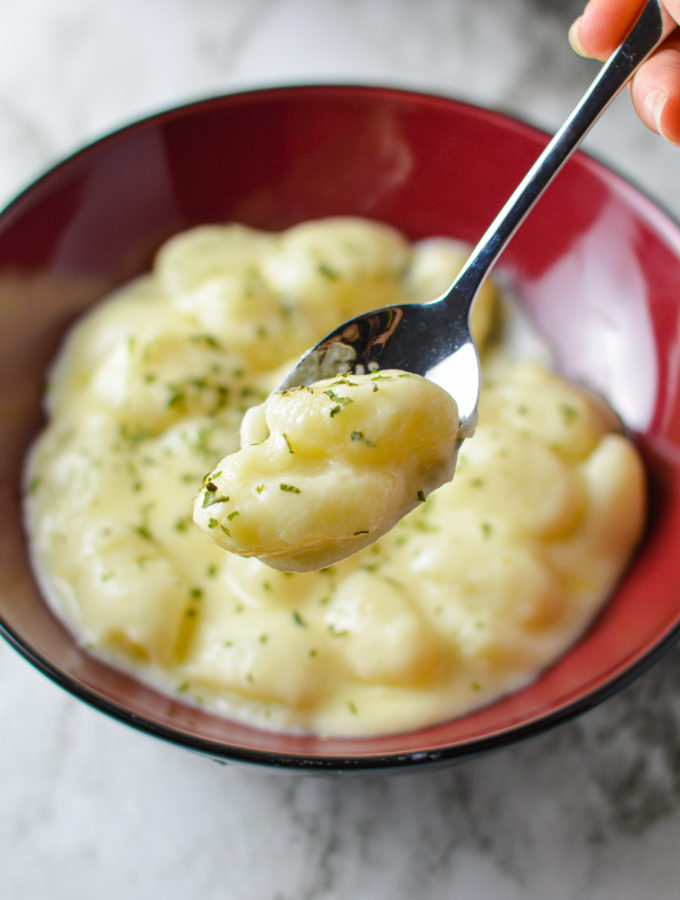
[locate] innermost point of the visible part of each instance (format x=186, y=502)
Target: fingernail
x=653, y=105
x=573, y=37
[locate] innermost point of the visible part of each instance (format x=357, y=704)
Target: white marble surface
x=91, y=809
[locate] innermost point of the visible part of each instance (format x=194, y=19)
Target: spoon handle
x=650, y=29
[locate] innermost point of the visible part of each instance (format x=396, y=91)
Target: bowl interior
x=597, y=264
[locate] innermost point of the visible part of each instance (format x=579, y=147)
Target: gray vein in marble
x=225, y=50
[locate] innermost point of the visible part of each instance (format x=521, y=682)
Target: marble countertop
x=89, y=808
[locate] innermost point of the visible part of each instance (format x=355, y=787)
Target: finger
x=602, y=26
x=655, y=90
x=605, y=23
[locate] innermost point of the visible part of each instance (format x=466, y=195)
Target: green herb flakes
x=176, y=397
x=361, y=437
x=340, y=402
x=33, y=485
x=143, y=531
x=210, y=499
x=327, y=271
x=569, y=413
x=208, y=339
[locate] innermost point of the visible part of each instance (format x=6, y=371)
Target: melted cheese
x=469, y=596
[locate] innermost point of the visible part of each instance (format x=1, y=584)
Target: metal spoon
x=433, y=339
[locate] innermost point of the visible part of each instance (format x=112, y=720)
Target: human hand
x=655, y=88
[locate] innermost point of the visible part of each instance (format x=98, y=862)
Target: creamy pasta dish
x=473, y=586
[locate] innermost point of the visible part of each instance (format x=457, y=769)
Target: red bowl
x=597, y=265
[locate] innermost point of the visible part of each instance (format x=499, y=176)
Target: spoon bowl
x=434, y=339
x=429, y=339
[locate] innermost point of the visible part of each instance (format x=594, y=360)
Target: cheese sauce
x=473, y=593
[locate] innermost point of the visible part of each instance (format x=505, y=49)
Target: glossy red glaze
x=597, y=264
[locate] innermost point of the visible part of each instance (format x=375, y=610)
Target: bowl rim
x=222, y=751
x=110, y=135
